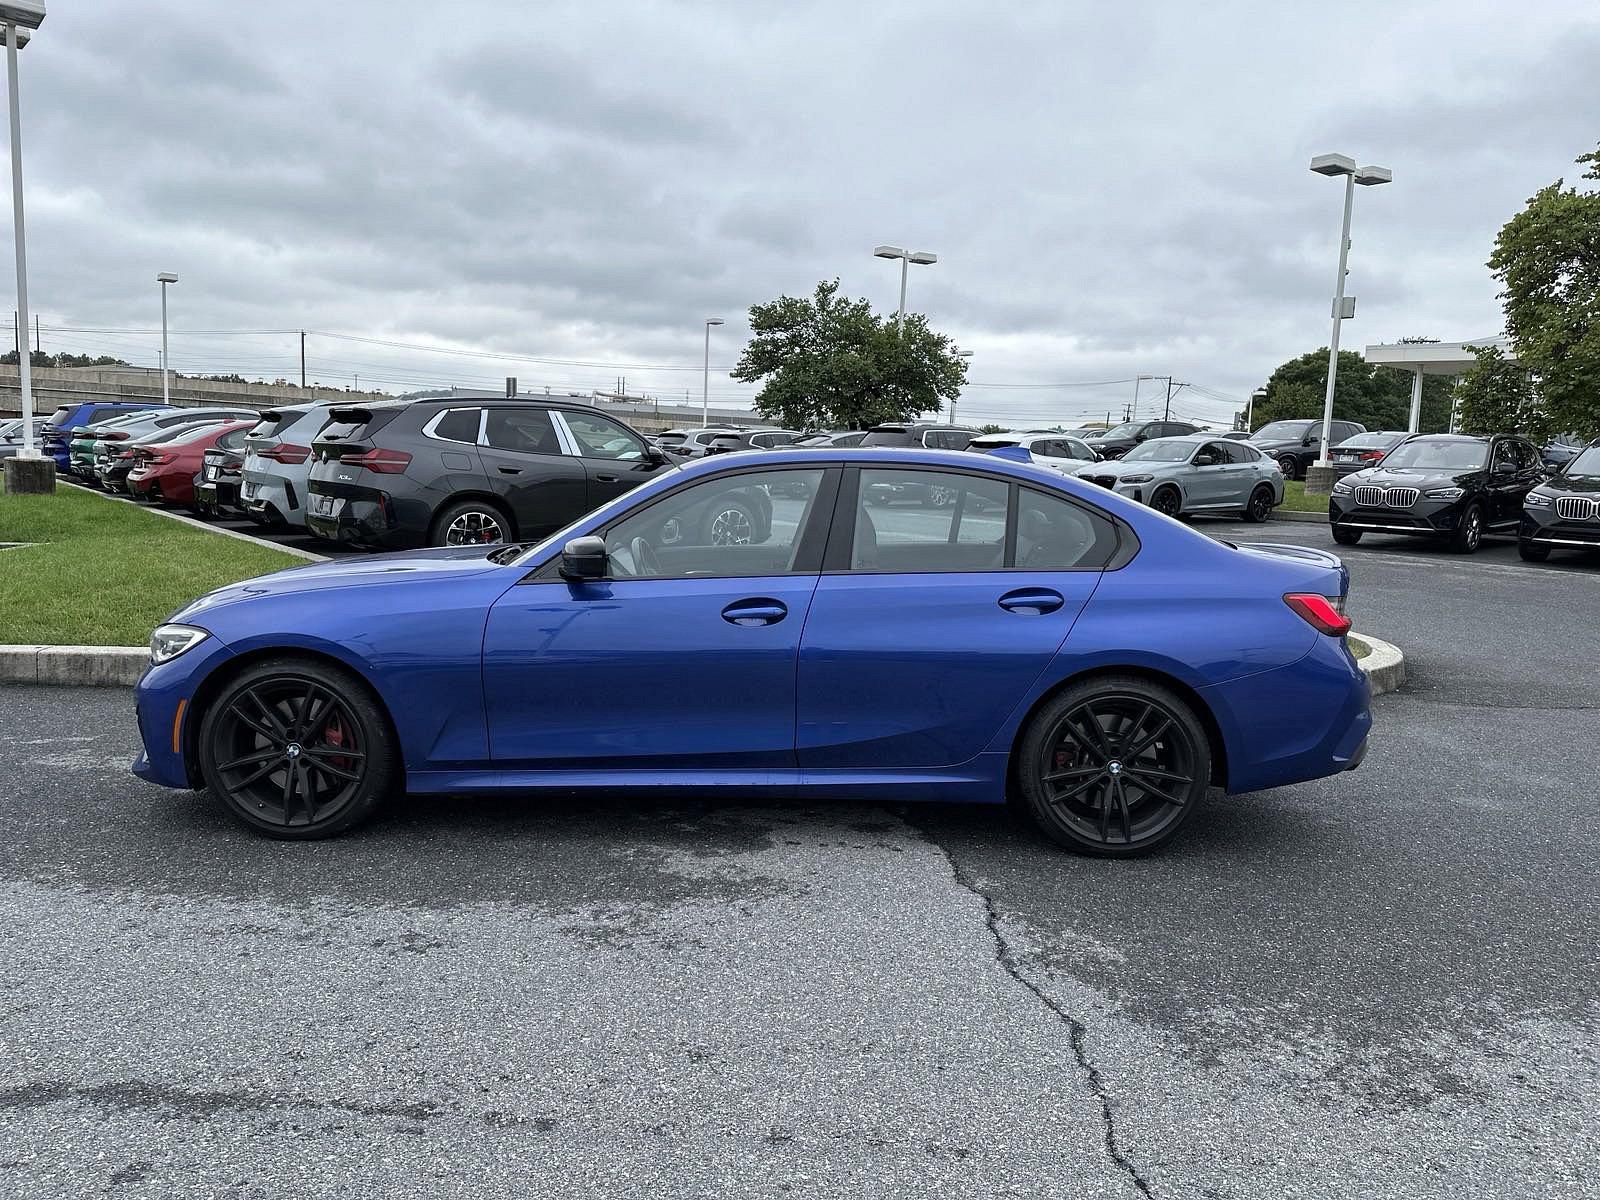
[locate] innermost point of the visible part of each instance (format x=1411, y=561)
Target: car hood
x=411, y=566
x=1424, y=477
x=1277, y=445
x=1119, y=467
x=1562, y=485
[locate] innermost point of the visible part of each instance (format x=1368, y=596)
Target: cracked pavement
x=1377, y=985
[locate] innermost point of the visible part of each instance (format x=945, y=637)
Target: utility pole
x=1166, y=413
x=302, y=358
x=38, y=347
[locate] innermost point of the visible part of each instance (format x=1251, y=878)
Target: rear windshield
x=887, y=437
x=992, y=443
x=671, y=439
x=272, y=422
x=1282, y=431
x=1450, y=456
x=1371, y=441
x=352, y=424
x=60, y=414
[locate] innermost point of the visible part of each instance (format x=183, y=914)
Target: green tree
x=1378, y=398
x=828, y=362
x=1497, y=396
x=1547, y=260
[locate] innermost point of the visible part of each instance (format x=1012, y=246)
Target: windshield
x=1282, y=431
x=1160, y=451
x=1586, y=464
x=671, y=439
x=1127, y=429
x=1448, y=456
x=887, y=437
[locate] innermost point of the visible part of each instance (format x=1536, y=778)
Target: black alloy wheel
x=1260, y=506
x=729, y=523
x=296, y=749
x=1346, y=536
x=1469, y=530
x=1114, y=766
x=1167, y=501
x=1289, y=467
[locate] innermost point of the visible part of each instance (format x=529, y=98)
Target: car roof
x=1455, y=437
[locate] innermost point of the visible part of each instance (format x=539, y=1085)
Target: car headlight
x=1342, y=486
x=1535, y=500
x=1136, y=478
x=169, y=641
x=1443, y=494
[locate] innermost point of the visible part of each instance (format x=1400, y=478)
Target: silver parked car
x=1194, y=473
x=277, y=463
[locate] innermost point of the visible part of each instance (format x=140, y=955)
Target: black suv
x=1440, y=485
x=1564, y=510
x=1296, y=444
x=1117, y=441
x=930, y=434
x=465, y=470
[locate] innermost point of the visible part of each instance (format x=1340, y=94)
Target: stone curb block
x=1385, y=665
x=1279, y=514
x=84, y=666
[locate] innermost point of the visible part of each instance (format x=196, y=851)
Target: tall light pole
x=163, y=279
x=20, y=17
x=705, y=376
x=958, y=354
x=1320, y=475
x=907, y=257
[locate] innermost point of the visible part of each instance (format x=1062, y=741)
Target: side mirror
x=1205, y=460
x=655, y=456
x=1505, y=468
x=1138, y=437
x=583, y=559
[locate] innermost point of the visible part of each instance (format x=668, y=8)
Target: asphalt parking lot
x=1382, y=984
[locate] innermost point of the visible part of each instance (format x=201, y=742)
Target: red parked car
x=165, y=472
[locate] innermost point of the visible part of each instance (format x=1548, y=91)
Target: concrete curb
x=209, y=528
x=83, y=666
x=1281, y=514
x=1385, y=665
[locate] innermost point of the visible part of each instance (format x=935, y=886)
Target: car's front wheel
x=296, y=748
x=1114, y=766
x=1167, y=501
x=1469, y=530
x=1346, y=536
x=1260, y=506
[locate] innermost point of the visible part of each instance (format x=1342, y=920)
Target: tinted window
x=1282, y=431
x=1077, y=449
x=929, y=521
x=946, y=439
x=893, y=435
x=747, y=524
x=461, y=425
x=1448, y=456
x=522, y=430
x=232, y=440
x=1527, y=456
x=1505, y=453
x=1056, y=535
x=60, y=415
x=600, y=437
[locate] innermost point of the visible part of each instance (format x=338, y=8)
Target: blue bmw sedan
x=750, y=624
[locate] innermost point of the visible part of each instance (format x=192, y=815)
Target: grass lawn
x=1295, y=498
x=107, y=573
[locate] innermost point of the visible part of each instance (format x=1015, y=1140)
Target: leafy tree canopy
x=1378, y=398
x=38, y=358
x=828, y=362
x=1497, y=396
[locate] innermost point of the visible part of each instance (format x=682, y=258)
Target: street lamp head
x=1333, y=164
x=963, y=353
x=24, y=14
x=888, y=252
x=923, y=257
x=714, y=321
x=1372, y=176
x=166, y=277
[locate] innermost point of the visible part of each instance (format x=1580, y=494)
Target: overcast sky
x=1111, y=189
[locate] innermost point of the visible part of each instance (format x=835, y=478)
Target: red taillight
x=115, y=437
x=1319, y=612
x=287, y=453
x=127, y=454
x=1372, y=455
x=384, y=462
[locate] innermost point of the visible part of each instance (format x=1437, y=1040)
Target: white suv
x=277, y=463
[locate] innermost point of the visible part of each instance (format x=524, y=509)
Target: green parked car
x=86, y=440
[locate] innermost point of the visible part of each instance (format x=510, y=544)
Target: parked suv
x=277, y=463
x=930, y=434
x=64, y=420
x=460, y=471
x=1296, y=444
x=1059, y=451
x=1564, y=510
x=1440, y=485
x=1117, y=441
x=690, y=443
x=751, y=439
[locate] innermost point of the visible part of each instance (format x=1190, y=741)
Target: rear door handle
x=756, y=611
x=511, y=470
x=1035, y=601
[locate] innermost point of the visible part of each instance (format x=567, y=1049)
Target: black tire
x=1096, y=742
x=1167, y=500
x=1260, y=506
x=297, y=749
x=470, y=523
x=1468, y=532
x=1290, y=466
x=1531, y=552
x=729, y=522
x=1346, y=536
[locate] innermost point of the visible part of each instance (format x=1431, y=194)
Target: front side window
x=732, y=525
x=1505, y=454
x=916, y=521
x=522, y=430
x=600, y=437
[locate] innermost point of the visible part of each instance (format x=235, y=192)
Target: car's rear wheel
x=470, y=523
x=1260, y=506
x=297, y=749
x=1114, y=766
x=1469, y=530
x=1532, y=552
x=1289, y=466
x=1346, y=536
x=1167, y=500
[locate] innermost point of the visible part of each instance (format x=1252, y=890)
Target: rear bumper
x=368, y=523
x=272, y=496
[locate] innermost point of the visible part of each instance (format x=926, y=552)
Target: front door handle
x=606, y=478
x=1035, y=601
x=511, y=470
x=757, y=611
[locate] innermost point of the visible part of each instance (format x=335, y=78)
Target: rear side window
x=99, y=413
x=524, y=430
x=231, y=441
x=919, y=521
x=267, y=426
x=60, y=415
x=1057, y=535
x=461, y=425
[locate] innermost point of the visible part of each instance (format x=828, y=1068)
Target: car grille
x=1370, y=495
x=1575, y=508
x=1105, y=481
